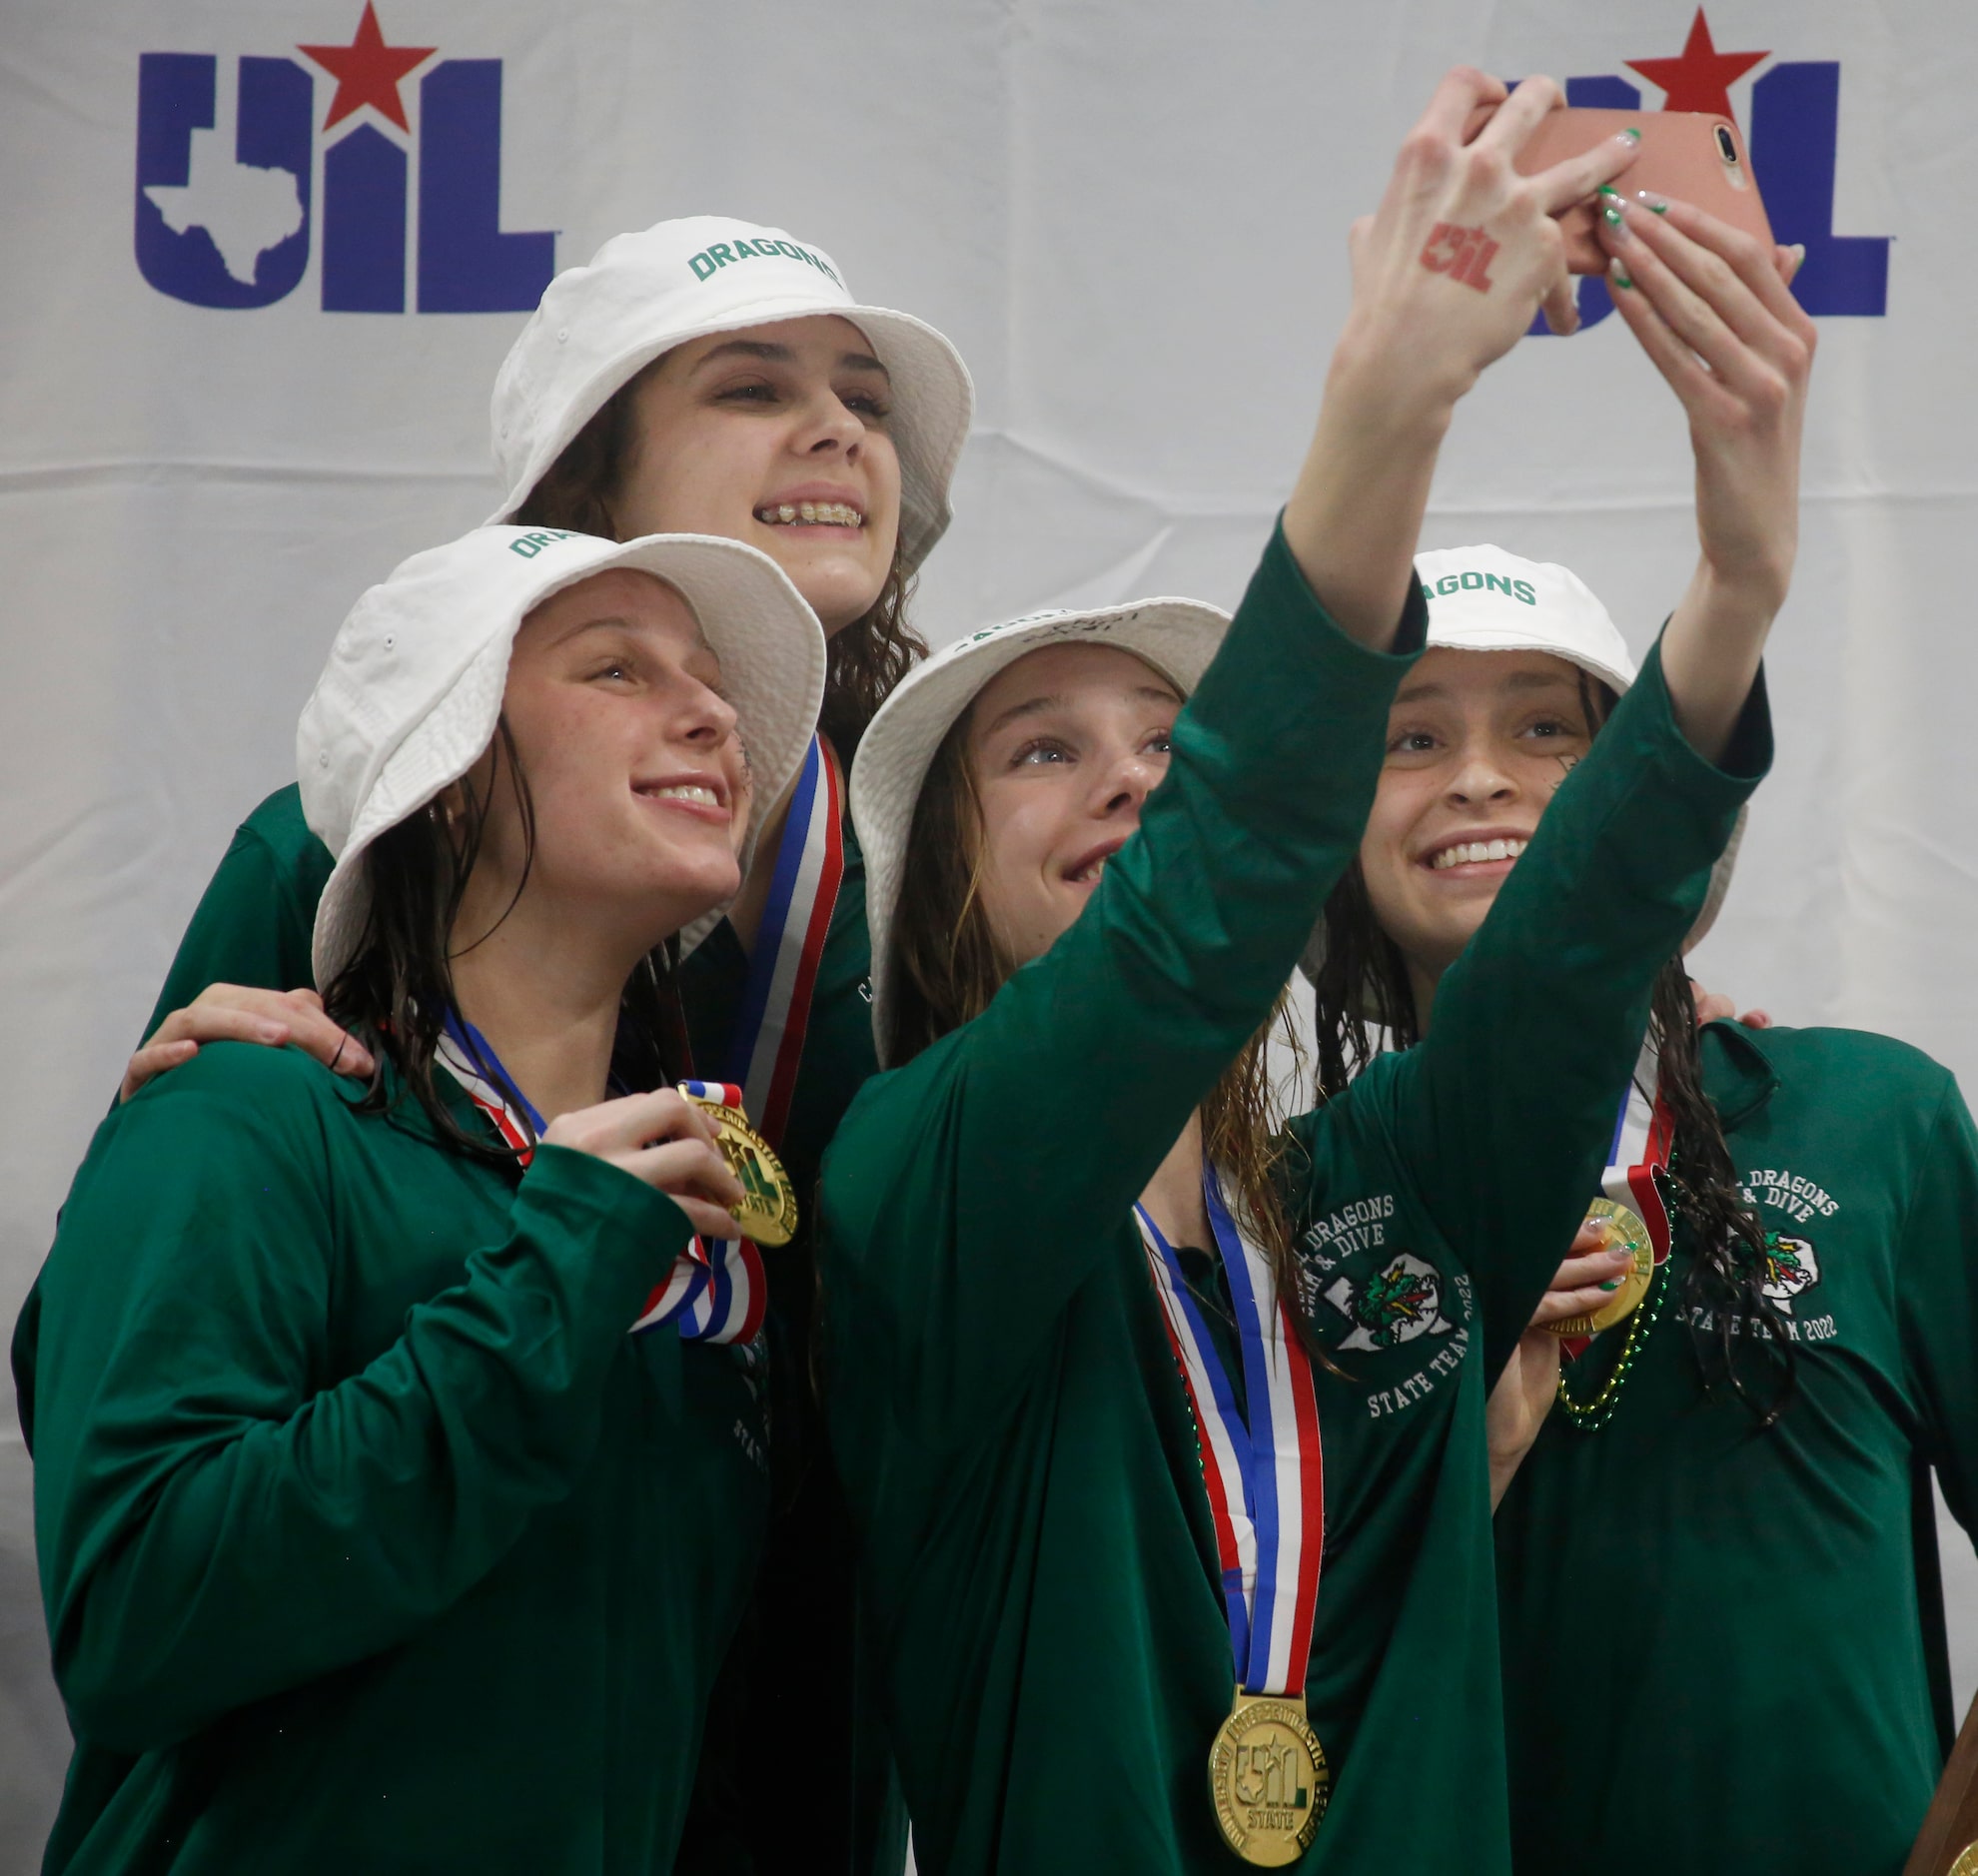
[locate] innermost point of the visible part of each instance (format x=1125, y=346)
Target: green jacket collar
x=407, y=1113
x=1738, y=1074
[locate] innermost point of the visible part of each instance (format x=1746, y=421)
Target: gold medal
x=768, y=1216
x=1268, y=1779
x=1625, y=1232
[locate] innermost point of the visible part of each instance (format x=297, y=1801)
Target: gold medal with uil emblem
x=1268, y=1779
x=768, y=1216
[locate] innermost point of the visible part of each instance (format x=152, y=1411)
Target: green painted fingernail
x=1632, y=132
x=1624, y=282
x=1615, y=1284
x=1607, y=189
x=1613, y=217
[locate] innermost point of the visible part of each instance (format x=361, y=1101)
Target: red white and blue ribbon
x=724, y=1301
x=1644, y=1130
x=1643, y=1133
x=719, y=1293
x=775, y=1009
x=713, y=1299
x=1264, y=1473
x=464, y=1053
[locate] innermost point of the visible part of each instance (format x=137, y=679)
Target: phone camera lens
x=1725, y=147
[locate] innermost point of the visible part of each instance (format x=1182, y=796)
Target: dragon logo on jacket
x=1399, y=1300
x=1792, y=1267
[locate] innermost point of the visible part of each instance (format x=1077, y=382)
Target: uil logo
x=1793, y=135
x=1401, y=1299
x=1791, y=1267
x=1270, y=1773
x=225, y=177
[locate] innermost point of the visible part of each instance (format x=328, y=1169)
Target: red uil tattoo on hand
x=1463, y=254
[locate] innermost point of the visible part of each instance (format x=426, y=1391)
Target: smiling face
x=636, y=777
x=774, y=435
x=1064, y=747
x=1477, y=743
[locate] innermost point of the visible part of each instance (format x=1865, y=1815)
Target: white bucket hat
x=1485, y=599
x=643, y=294
x=412, y=692
x=1176, y=637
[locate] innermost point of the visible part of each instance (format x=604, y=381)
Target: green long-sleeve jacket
x=1041, y=1571
x=370, y=1539
x=793, y=1664
x=1769, y=1675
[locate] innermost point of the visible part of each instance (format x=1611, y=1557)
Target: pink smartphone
x=1694, y=156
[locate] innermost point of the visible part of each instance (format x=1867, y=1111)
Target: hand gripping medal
x=1627, y=1232
x=768, y=1216
x=1268, y=1778
x=715, y=1296
x=1632, y=1206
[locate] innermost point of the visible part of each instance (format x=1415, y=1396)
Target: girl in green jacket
x=1094, y=1460
x=1748, y=1447
x=1749, y=1442
x=706, y=375
x=370, y=1537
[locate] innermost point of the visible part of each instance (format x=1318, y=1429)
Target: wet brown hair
x=863, y=661
x=1366, y=1005
x=948, y=964
x=397, y=987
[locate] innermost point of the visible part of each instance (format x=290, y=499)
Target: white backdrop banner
x=264, y=256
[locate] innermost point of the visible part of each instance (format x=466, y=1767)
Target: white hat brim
x=1178, y=637
x=766, y=637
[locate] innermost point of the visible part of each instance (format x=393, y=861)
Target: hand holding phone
x=1685, y=156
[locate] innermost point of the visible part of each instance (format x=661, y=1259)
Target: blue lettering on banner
x=216, y=226
x=364, y=223
x=466, y=262
x=233, y=228
x=1795, y=127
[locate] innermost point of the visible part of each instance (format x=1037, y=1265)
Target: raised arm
x=1446, y=275
x=200, y=1477
x=969, y=1193
x=946, y=1198
x=1506, y=1108
x=1711, y=308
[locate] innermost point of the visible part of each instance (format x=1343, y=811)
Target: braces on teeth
x=836, y=514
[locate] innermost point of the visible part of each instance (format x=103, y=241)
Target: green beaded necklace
x=1588, y=1417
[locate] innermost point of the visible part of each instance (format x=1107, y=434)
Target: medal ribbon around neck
x=1266, y=1477
x=1644, y=1130
x=782, y=972
x=718, y=1297
x=723, y=1300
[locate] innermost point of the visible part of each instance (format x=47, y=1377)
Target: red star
x=1701, y=79
x=368, y=71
